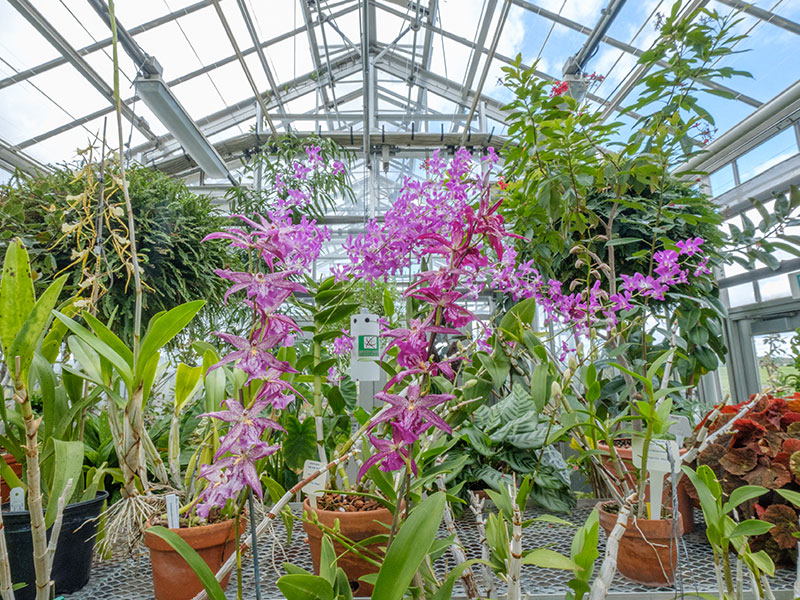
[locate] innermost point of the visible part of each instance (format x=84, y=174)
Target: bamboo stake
x=476, y=505
x=767, y=589
x=601, y=585
x=6, y=586
x=274, y=512
x=514, y=563
x=692, y=453
x=38, y=530
x=133, y=463
x=467, y=576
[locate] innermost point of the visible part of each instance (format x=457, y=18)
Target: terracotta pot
x=5, y=490
x=648, y=554
x=685, y=505
x=355, y=526
x=173, y=579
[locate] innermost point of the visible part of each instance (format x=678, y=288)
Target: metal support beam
x=173, y=82
x=12, y=158
x=61, y=60
x=624, y=46
x=51, y=34
x=256, y=93
x=262, y=58
x=427, y=52
x=764, y=15
x=316, y=58
x=243, y=111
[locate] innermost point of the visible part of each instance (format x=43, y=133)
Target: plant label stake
x=313, y=488
x=173, y=520
x=658, y=467
x=366, y=350
x=16, y=501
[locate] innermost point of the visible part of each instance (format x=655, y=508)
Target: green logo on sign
x=368, y=346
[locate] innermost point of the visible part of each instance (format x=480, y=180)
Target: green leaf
x=16, y=294
x=549, y=559
x=388, y=304
x=743, y=494
x=751, y=527
x=517, y=317
x=195, y=562
x=540, y=390
x=68, y=465
x=162, y=328
x=305, y=587
x=99, y=346
x=32, y=330
x=187, y=381
x=409, y=548
x=301, y=441
x=791, y=496
x=109, y=337
x=327, y=560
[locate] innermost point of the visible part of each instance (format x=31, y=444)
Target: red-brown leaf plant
x=762, y=448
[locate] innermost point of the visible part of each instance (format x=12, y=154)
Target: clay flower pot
x=355, y=526
x=5, y=491
x=685, y=503
x=648, y=554
x=173, y=578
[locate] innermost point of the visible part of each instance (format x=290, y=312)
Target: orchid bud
x=471, y=383
x=555, y=390
x=573, y=362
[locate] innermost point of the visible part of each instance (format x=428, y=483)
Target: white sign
x=658, y=455
x=17, y=500
x=313, y=488
x=366, y=350
x=173, y=518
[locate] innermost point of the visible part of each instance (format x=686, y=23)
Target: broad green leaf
x=8, y=475
x=300, y=443
x=305, y=587
x=99, y=346
x=32, y=329
x=409, y=548
x=109, y=337
x=187, y=382
x=68, y=465
x=193, y=559
x=163, y=327
x=751, y=527
x=540, y=388
x=16, y=294
x=743, y=494
x=550, y=559
x=791, y=496
x=762, y=560
x=51, y=344
x=327, y=560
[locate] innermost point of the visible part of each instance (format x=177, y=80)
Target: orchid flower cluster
x=294, y=187
x=283, y=249
x=451, y=221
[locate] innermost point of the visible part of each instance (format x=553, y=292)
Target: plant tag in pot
x=16, y=502
x=366, y=350
x=313, y=488
x=173, y=520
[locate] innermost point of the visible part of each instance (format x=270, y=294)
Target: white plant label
x=658, y=456
x=17, y=500
x=313, y=488
x=173, y=518
x=681, y=429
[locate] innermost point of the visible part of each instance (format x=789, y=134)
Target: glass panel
x=775, y=287
x=740, y=295
x=775, y=150
x=774, y=355
x=722, y=180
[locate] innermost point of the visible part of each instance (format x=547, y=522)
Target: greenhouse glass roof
x=326, y=66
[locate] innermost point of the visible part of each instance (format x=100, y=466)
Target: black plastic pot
x=72, y=562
